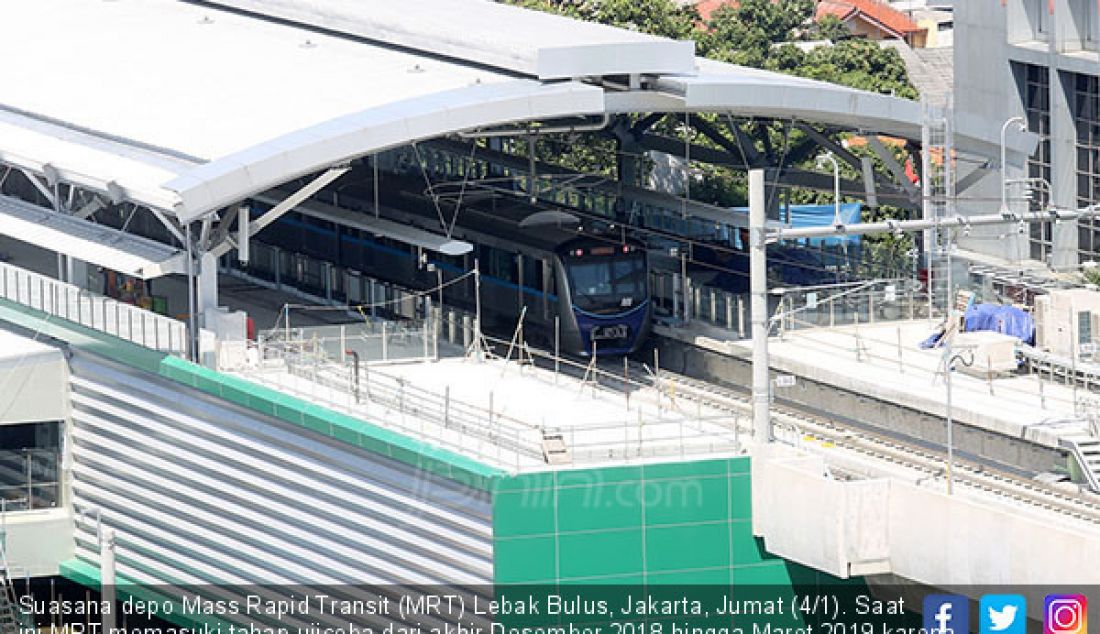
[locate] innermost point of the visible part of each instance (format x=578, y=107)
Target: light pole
x=828, y=156
x=1020, y=121
x=758, y=304
x=948, y=365
x=837, y=222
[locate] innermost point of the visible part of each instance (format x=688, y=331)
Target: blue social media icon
x=1003, y=614
x=946, y=614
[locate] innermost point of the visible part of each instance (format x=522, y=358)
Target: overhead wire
x=361, y=308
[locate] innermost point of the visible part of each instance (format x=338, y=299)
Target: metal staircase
x=1086, y=450
x=12, y=619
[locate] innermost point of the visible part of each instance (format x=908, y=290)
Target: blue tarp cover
x=1004, y=319
x=822, y=215
x=817, y=216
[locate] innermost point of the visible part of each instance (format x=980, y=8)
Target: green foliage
x=1092, y=275
x=656, y=17
x=829, y=27
x=860, y=64
x=595, y=155
x=745, y=34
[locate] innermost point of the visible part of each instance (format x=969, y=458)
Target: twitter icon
x=1003, y=614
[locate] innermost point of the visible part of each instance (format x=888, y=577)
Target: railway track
x=799, y=425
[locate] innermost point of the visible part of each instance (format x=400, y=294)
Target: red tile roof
x=878, y=13
x=706, y=8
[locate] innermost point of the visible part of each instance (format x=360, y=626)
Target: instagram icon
x=1065, y=614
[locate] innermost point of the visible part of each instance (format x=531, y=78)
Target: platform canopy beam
x=44, y=189
x=895, y=168
x=288, y=203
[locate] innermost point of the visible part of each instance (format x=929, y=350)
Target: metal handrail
x=495, y=433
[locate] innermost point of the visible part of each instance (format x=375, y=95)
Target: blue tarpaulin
x=799, y=216
x=1004, y=319
x=822, y=216
x=1007, y=320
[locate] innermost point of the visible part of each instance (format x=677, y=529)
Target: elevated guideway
x=848, y=516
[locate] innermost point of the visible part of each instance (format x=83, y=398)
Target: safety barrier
x=69, y=302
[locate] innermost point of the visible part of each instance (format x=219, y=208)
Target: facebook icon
x=946, y=614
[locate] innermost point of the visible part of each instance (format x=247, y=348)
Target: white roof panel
x=88, y=160
x=721, y=87
x=190, y=107
x=270, y=164
x=203, y=82
x=98, y=244
x=531, y=43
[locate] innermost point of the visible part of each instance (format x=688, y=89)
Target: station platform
x=882, y=364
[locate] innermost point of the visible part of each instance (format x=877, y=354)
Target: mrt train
x=590, y=292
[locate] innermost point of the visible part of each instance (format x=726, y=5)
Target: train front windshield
x=607, y=284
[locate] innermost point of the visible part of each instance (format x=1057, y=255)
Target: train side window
x=504, y=265
x=532, y=273
x=497, y=263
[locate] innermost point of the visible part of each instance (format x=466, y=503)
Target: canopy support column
x=758, y=285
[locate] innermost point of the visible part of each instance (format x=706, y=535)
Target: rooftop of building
x=510, y=414
x=18, y=351
x=873, y=11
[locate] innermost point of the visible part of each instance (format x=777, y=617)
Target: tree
x=829, y=27
x=860, y=64
x=664, y=18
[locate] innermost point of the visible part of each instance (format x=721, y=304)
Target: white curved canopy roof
x=189, y=108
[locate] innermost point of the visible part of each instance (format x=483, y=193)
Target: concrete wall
x=38, y=541
x=915, y=532
x=34, y=389
x=989, y=91
x=833, y=526
x=856, y=404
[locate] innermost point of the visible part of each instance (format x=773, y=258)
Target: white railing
x=848, y=304
x=646, y=429
x=375, y=341
x=125, y=321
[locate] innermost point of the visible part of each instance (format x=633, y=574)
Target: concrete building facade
x=1039, y=59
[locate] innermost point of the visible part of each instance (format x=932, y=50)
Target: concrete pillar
x=758, y=285
x=76, y=272
x=208, y=283
x=1063, y=168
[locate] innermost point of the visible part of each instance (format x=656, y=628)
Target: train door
x=547, y=287
x=521, y=281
